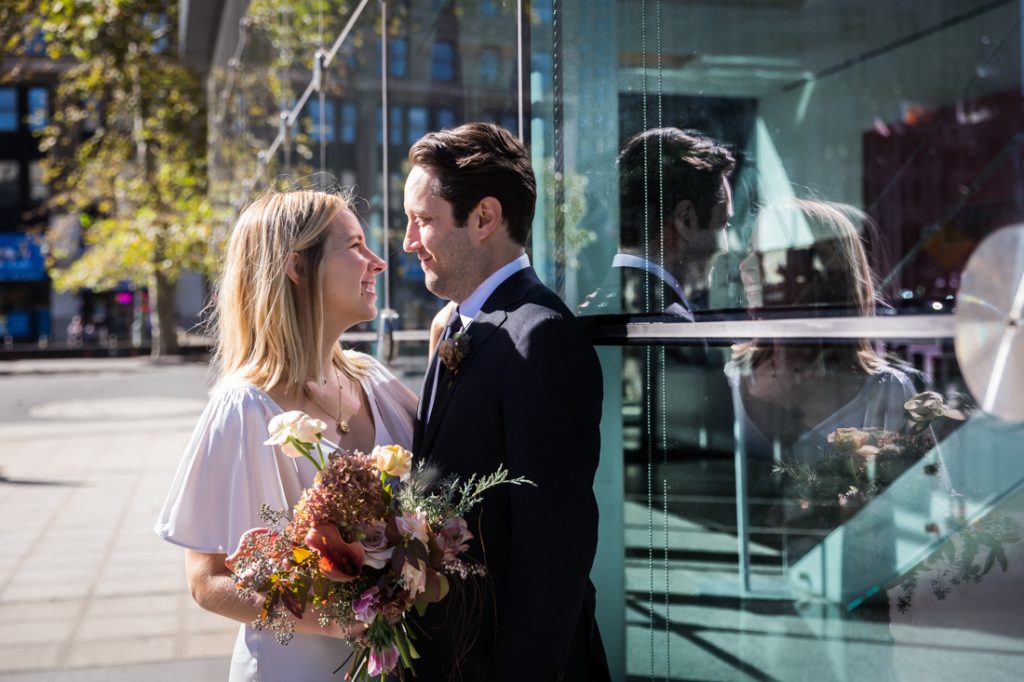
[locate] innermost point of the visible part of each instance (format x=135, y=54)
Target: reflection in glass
x=675, y=203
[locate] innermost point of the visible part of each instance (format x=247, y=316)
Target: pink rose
x=375, y=545
x=413, y=525
x=414, y=577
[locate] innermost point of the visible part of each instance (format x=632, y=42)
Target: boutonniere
x=453, y=351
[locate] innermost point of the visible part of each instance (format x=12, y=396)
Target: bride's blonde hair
x=269, y=330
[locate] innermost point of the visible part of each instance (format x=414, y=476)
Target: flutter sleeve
x=226, y=474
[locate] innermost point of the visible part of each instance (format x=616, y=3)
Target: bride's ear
x=293, y=268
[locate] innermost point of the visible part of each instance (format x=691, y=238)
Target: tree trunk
x=161, y=310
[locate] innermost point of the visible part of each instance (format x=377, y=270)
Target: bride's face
x=350, y=272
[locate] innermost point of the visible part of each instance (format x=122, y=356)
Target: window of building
x=489, y=65
x=157, y=25
x=8, y=110
x=395, y=126
x=509, y=122
x=9, y=183
x=444, y=118
x=38, y=190
x=38, y=108
x=92, y=119
x=488, y=8
x=349, y=122
x=417, y=123
x=326, y=133
x=442, y=66
x=398, y=61
x=379, y=124
x=36, y=45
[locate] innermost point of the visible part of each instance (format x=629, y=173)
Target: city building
x=778, y=501
x=34, y=316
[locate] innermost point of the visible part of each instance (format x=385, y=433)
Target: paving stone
x=120, y=651
x=52, y=630
x=127, y=625
x=210, y=644
x=29, y=656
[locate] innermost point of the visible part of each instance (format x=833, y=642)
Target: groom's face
x=445, y=250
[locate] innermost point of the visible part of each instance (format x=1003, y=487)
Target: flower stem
x=304, y=449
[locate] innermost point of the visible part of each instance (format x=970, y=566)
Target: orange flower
x=339, y=560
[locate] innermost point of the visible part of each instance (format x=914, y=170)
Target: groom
x=520, y=386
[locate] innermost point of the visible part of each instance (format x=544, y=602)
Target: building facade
x=810, y=444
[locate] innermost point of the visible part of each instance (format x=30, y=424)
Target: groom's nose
x=412, y=237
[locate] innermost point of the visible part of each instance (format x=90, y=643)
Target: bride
x=298, y=273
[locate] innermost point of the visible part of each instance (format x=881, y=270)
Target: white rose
x=294, y=424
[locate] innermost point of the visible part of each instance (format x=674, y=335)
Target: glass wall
x=789, y=227
x=785, y=197
x=386, y=74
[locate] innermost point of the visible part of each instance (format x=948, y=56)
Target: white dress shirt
x=469, y=308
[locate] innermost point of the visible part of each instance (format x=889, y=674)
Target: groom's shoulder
x=543, y=312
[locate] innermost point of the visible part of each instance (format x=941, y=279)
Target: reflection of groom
x=526, y=394
x=674, y=202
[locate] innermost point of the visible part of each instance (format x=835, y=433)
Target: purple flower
x=382, y=661
x=453, y=537
x=375, y=545
x=365, y=607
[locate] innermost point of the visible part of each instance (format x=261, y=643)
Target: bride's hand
x=438, y=324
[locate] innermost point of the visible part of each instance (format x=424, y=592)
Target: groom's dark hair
x=478, y=160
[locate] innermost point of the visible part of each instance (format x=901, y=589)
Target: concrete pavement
x=87, y=590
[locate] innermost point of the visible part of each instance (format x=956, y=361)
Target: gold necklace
x=342, y=424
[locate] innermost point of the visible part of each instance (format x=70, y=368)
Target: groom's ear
x=486, y=219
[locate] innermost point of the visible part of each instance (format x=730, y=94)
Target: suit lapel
x=491, y=317
x=421, y=409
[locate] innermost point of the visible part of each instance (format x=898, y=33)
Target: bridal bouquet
x=859, y=463
x=366, y=544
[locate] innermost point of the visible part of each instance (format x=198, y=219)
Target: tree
x=138, y=182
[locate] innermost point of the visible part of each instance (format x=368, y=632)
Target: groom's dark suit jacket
x=527, y=396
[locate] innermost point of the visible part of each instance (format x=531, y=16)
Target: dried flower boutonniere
x=453, y=351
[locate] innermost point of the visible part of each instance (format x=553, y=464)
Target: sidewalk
x=87, y=590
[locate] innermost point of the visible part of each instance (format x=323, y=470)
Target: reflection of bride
x=790, y=396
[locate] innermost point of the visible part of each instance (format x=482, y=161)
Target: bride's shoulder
x=368, y=366
x=239, y=394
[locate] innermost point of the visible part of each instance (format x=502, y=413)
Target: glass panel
x=321, y=125
x=398, y=65
x=8, y=109
x=437, y=94
x=9, y=183
x=38, y=189
x=442, y=65
x=417, y=123
x=779, y=498
x=761, y=539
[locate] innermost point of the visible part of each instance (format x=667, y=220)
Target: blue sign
x=21, y=259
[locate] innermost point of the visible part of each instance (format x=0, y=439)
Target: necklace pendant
x=343, y=426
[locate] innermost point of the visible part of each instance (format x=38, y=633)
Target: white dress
x=227, y=473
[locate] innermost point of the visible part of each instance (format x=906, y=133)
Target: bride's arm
x=213, y=588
